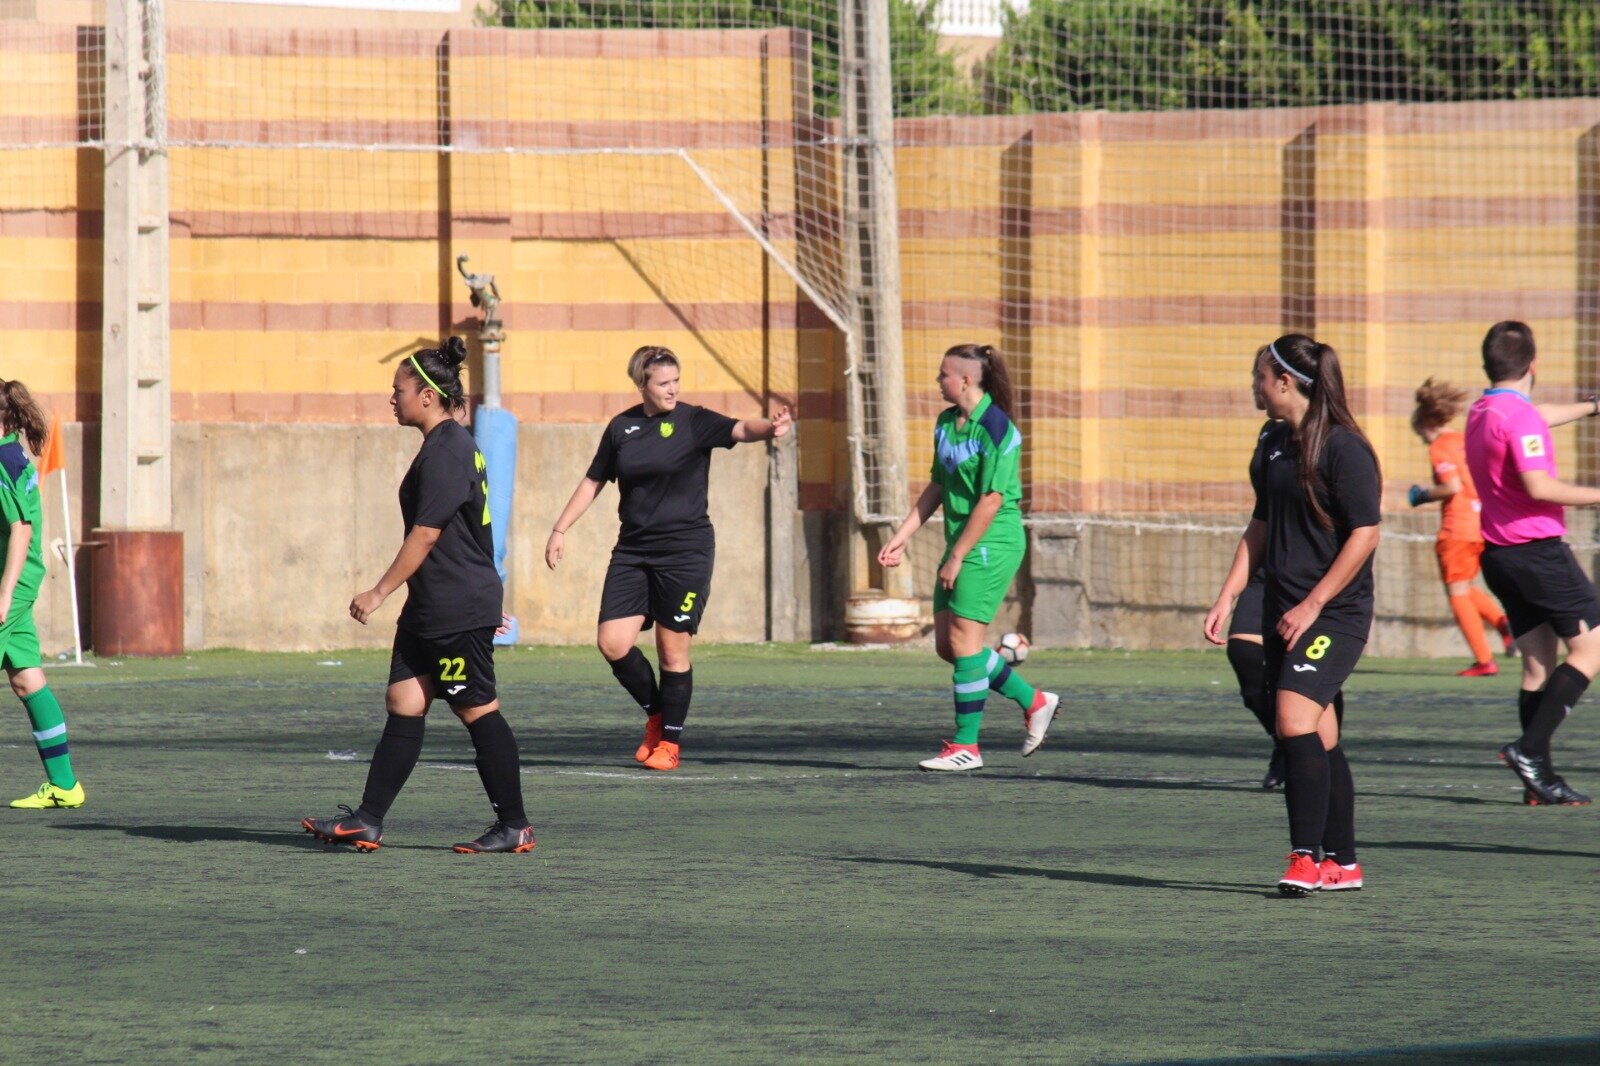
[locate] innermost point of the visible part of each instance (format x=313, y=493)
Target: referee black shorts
x=669, y=589
x=1318, y=667
x=458, y=668
x=1540, y=582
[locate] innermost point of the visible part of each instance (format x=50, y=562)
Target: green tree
x=925, y=80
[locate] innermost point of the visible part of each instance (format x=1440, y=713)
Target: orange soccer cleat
x=1484, y=669
x=664, y=757
x=652, y=737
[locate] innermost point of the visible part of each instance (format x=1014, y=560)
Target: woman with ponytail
x=444, y=644
x=977, y=480
x=22, y=537
x=1313, y=532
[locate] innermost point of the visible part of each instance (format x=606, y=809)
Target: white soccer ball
x=1013, y=648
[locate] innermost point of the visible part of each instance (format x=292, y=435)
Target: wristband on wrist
x=1594, y=404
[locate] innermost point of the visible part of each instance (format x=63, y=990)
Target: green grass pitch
x=798, y=889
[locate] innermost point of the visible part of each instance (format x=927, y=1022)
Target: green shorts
x=981, y=586
x=19, y=639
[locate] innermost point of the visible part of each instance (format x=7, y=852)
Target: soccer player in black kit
x=659, y=454
x=1313, y=532
x=444, y=645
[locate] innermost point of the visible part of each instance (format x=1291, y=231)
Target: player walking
x=1460, y=541
x=1313, y=533
x=444, y=645
x=22, y=539
x=977, y=479
x=659, y=454
x=1547, y=596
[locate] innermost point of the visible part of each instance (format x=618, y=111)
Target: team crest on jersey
x=1533, y=446
x=666, y=429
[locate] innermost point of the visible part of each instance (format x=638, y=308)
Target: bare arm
x=927, y=503
x=418, y=543
x=1442, y=491
x=753, y=429
x=977, y=525
x=1546, y=489
x=577, y=504
x=1363, y=541
x=1559, y=414
x=1246, y=560
x=16, y=557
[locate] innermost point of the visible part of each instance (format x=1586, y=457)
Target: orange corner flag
x=55, y=451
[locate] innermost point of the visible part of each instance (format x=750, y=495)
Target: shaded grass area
x=797, y=889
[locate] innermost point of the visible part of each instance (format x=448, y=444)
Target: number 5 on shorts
x=688, y=603
x=1319, y=648
x=458, y=665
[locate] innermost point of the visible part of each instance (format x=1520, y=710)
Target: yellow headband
x=425, y=377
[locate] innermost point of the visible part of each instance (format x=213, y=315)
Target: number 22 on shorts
x=453, y=669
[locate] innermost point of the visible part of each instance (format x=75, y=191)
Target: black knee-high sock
x=392, y=762
x=498, y=767
x=1339, y=835
x=1305, y=790
x=676, y=692
x=634, y=673
x=1564, y=689
x=1527, y=704
x=1249, y=663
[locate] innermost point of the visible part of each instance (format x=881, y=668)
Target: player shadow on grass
x=1477, y=849
x=987, y=870
x=217, y=834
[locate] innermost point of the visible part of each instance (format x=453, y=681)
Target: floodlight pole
x=486, y=296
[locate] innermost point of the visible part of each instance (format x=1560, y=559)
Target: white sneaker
x=1038, y=722
x=954, y=757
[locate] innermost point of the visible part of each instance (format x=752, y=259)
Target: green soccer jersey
x=19, y=502
x=972, y=460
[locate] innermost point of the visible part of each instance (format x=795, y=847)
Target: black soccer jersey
x=661, y=464
x=1299, y=550
x=457, y=587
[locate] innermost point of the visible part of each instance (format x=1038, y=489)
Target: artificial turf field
x=797, y=889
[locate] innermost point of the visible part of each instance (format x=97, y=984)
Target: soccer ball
x=1013, y=648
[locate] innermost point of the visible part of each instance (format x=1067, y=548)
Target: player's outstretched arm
x=1559, y=414
x=582, y=497
x=418, y=543
x=891, y=553
x=754, y=429
x=1246, y=558
x=1541, y=486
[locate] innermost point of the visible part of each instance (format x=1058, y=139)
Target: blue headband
x=1302, y=378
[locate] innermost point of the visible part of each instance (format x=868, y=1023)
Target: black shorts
x=1321, y=662
x=1540, y=582
x=1246, y=621
x=457, y=668
x=668, y=588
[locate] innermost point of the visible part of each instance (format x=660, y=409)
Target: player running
x=1313, y=533
x=659, y=454
x=1460, y=541
x=1547, y=596
x=977, y=479
x=444, y=645
x=22, y=540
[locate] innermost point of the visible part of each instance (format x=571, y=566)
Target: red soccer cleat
x=1336, y=878
x=1488, y=669
x=1303, y=876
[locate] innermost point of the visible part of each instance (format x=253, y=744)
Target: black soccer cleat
x=347, y=828
x=1277, y=770
x=1566, y=795
x=499, y=837
x=1535, y=772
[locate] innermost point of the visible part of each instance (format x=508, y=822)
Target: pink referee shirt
x=1505, y=436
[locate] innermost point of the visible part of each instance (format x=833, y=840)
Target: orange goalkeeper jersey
x=1448, y=454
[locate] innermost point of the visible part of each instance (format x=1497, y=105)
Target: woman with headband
x=977, y=480
x=444, y=644
x=659, y=454
x=1314, y=529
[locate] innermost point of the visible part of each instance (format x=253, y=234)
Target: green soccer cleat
x=49, y=796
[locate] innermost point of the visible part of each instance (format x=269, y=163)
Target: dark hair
x=1507, y=351
x=1315, y=370
x=441, y=371
x=643, y=360
x=21, y=413
x=995, y=380
x=1437, y=403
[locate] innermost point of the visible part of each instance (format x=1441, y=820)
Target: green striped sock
x=971, y=689
x=50, y=734
x=1008, y=682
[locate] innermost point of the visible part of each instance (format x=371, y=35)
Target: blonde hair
x=1437, y=403
x=646, y=359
